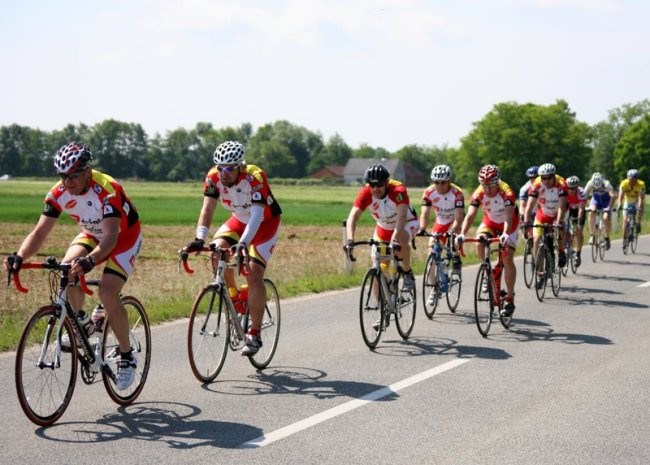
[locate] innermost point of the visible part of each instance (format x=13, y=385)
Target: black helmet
x=376, y=173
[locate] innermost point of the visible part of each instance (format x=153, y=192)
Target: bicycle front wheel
x=541, y=272
x=483, y=299
x=45, y=384
x=405, y=304
x=555, y=272
x=635, y=238
x=529, y=263
x=270, y=327
x=453, y=291
x=595, y=245
x=140, y=338
x=208, y=334
x=627, y=237
x=371, y=309
x=430, y=291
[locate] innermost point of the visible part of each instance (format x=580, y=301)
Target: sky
x=386, y=73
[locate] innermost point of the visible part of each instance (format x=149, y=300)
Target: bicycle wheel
x=555, y=272
x=626, y=237
x=140, y=337
x=484, y=299
x=601, y=245
x=405, y=305
x=529, y=263
x=270, y=327
x=635, y=238
x=208, y=334
x=453, y=291
x=595, y=245
x=370, y=309
x=541, y=269
x=430, y=292
x=574, y=264
x=44, y=384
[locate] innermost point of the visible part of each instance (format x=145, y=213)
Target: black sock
x=126, y=355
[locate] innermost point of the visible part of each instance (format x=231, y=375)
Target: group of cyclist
x=545, y=199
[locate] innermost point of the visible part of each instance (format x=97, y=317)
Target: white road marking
x=646, y=284
x=351, y=405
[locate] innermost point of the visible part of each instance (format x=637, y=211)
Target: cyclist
x=548, y=199
x=110, y=233
x=251, y=231
x=447, y=200
x=601, y=192
x=500, y=219
x=396, y=220
x=531, y=174
x=633, y=190
x=576, y=203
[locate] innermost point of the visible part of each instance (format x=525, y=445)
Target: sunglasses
x=72, y=176
x=227, y=168
x=546, y=178
x=376, y=184
x=440, y=182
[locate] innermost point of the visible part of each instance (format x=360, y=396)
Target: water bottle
x=85, y=322
x=239, y=298
x=97, y=319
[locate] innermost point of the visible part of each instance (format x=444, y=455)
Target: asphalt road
x=569, y=383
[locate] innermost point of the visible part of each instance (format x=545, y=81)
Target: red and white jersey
x=384, y=210
x=444, y=205
x=576, y=198
x=251, y=187
x=105, y=198
x=494, y=208
x=548, y=198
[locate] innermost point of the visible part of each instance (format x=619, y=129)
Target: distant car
x=5, y=177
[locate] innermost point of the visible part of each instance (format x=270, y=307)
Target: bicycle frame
x=448, y=279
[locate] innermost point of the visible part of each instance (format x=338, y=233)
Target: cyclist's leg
x=80, y=247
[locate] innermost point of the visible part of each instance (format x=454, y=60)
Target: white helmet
x=441, y=173
x=597, y=180
x=229, y=153
x=546, y=169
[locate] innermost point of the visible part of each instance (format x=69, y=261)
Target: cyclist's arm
x=257, y=215
x=400, y=224
x=351, y=224
x=424, y=217
x=469, y=219
x=459, y=215
x=35, y=239
x=205, y=217
x=530, y=206
x=620, y=198
x=562, y=210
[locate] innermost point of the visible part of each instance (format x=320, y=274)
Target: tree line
x=512, y=135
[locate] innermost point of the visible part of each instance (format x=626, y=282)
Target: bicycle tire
x=483, y=301
x=627, y=237
x=428, y=288
x=270, y=327
x=541, y=277
x=208, y=334
x=556, y=273
x=405, y=302
x=596, y=244
x=574, y=258
x=453, y=291
x=45, y=393
x=635, y=238
x=371, y=309
x=529, y=263
x=140, y=337
x=601, y=246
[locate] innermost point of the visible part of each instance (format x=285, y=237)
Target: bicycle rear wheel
x=45, y=385
x=270, y=327
x=140, y=337
x=430, y=292
x=371, y=305
x=208, y=334
x=555, y=273
x=529, y=263
x=405, y=302
x=541, y=272
x=453, y=291
x=484, y=299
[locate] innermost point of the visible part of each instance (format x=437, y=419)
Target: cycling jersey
x=384, y=210
x=600, y=197
x=630, y=192
x=494, y=208
x=523, y=192
x=444, y=205
x=548, y=198
x=576, y=197
x=251, y=187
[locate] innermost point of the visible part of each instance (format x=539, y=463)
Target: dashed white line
x=646, y=284
x=282, y=433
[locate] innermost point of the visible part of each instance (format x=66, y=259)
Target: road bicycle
x=219, y=322
x=630, y=230
x=529, y=258
x=440, y=276
x=546, y=268
x=598, y=245
x=46, y=367
x=571, y=229
x=383, y=295
x=489, y=297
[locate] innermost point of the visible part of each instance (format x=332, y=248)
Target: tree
x=335, y=152
x=633, y=150
x=118, y=148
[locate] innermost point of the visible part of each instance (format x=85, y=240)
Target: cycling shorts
x=261, y=247
x=122, y=258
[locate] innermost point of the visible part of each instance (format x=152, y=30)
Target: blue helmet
x=532, y=171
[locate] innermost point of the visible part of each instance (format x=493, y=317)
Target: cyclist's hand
x=194, y=246
x=421, y=232
x=349, y=245
x=460, y=238
x=503, y=238
x=240, y=249
x=85, y=264
x=396, y=246
x=13, y=263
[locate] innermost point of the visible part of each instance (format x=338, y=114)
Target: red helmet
x=489, y=175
